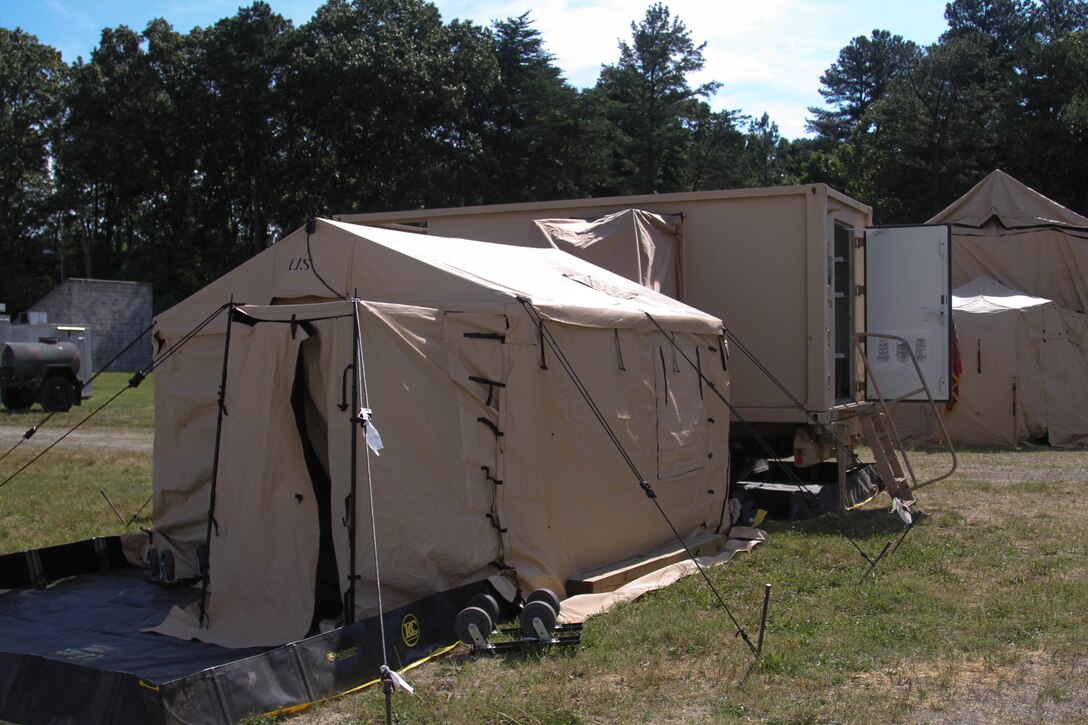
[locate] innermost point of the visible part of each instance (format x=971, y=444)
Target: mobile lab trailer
x=787, y=270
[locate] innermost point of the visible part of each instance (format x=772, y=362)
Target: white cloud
x=768, y=54
x=583, y=36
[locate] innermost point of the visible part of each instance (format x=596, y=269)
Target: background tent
x=492, y=461
x=1025, y=371
x=1004, y=230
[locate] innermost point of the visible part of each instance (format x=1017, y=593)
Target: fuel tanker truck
x=44, y=372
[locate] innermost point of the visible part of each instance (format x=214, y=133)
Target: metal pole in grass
x=114, y=509
x=905, y=532
x=763, y=619
x=885, y=550
x=127, y=524
x=139, y=511
x=872, y=565
x=387, y=690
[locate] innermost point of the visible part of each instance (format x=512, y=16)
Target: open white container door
x=908, y=294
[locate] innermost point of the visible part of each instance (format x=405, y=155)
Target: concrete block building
x=117, y=312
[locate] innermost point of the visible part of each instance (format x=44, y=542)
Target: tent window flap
x=681, y=416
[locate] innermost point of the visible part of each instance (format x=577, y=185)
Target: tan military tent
x=1025, y=371
x=490, y=460
x=1004, y=230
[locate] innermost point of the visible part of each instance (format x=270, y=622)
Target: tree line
x=909, y=129
x=170, y=158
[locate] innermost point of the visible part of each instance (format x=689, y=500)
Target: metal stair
x=879, y=431
x=876, y=429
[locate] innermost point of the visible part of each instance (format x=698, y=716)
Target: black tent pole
x=356, y=421
x=204, y=575
x=387, y=689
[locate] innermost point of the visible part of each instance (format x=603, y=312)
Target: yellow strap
x=357, y=688
x=862, y=503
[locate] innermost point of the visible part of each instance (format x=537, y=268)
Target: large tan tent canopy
x=1020, y=273
x=1007, y=231
x=1025, y=371
x=492, y=461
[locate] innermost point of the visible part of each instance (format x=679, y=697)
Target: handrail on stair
x=858, y=338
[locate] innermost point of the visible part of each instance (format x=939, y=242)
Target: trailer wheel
x=17, y=398
x=57, y=394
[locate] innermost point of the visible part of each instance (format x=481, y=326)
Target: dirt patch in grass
x=1040, y=686
x=993, y=486
x=103, y=439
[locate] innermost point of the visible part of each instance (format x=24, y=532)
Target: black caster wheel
x=167, y=567
x=538, y=621
x=544, y=595
x=489, y=604
x=473, y=626
x=153, y=568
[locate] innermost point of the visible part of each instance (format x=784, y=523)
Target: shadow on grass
x=856, y=524
x=973, y=448
x=527, y=653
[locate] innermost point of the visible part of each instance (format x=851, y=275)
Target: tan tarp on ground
x=579, y=608
x=639, y=245
x=451, y=358
x=1005, y=230
x=1025, y=372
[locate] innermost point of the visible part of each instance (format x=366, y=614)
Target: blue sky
x=768, y=54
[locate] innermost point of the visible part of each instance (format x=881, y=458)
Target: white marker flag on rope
x=904, y=513
x=373, y=438
x=399, y=683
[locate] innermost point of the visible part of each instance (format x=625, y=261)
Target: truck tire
x=17, y=398
x=57, y=394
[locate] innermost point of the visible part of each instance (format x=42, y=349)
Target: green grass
x=979, y=616
x=58, y=498
x=133, y=408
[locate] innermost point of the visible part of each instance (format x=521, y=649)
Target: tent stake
x=905, y=532
x=114, y=508
x=763, y=619
x=874, y=562
x=885, y=552
x=139, y=511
